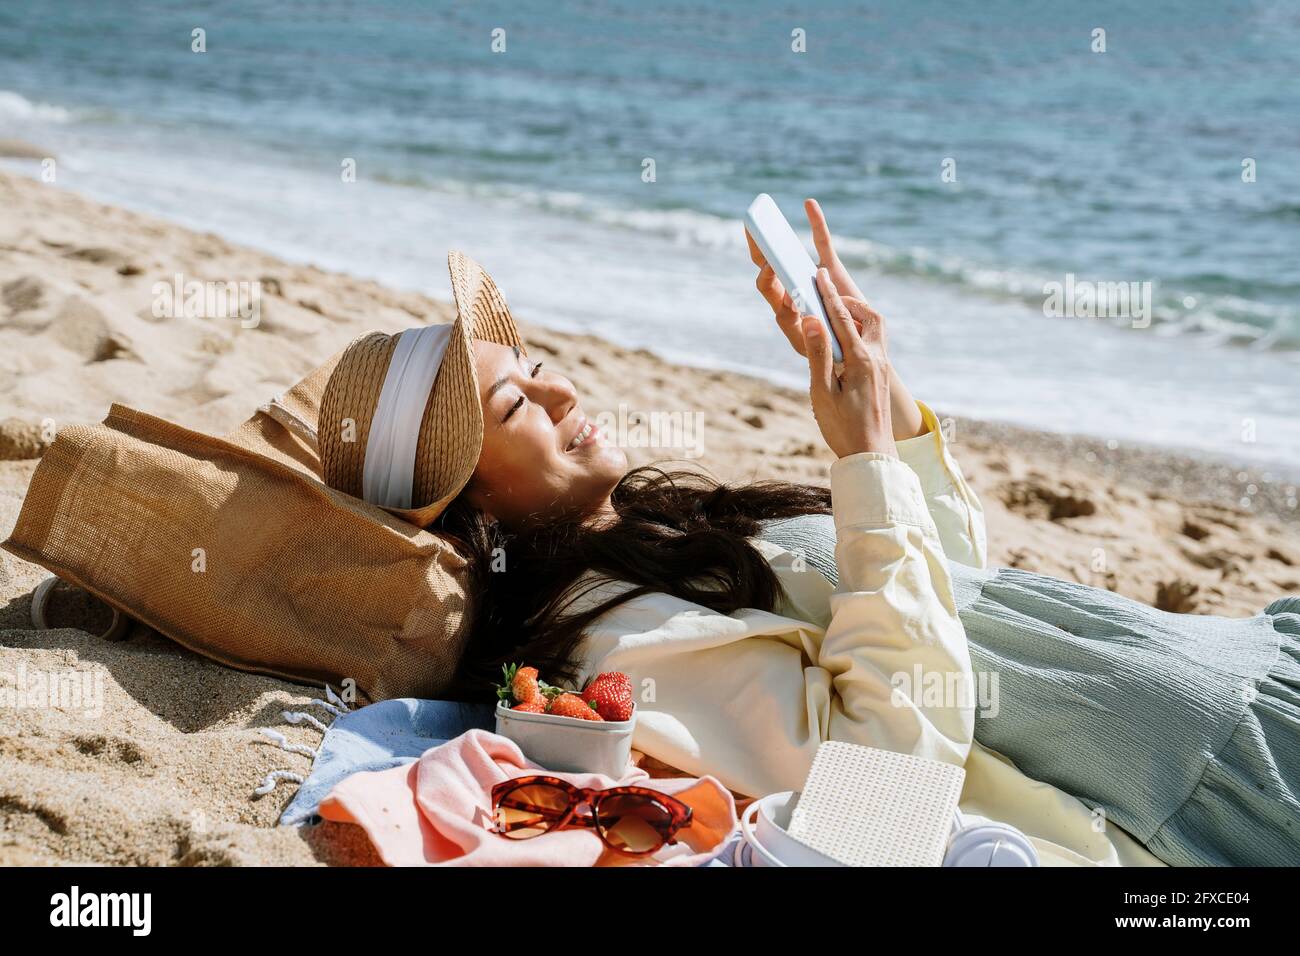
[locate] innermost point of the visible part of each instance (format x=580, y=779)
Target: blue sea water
x=1123, y=165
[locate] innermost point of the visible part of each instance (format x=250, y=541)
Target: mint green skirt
x=1183, y=729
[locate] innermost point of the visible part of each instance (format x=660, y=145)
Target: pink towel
x=438, y=811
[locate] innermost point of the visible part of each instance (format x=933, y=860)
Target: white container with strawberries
x=587, y=731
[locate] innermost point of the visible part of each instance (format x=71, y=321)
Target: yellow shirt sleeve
x=956, y=509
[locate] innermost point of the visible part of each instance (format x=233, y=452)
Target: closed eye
x=515, y=407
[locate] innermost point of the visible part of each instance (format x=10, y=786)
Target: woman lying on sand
x=759, y=620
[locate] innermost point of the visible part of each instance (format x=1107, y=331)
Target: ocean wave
x=681, y=226
x=1221, y=318
x=1174, y=309
x=16, y=107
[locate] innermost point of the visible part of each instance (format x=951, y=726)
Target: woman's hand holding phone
x=907, y=420
x=852, y=407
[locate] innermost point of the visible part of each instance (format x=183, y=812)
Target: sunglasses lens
x=636, y=824
x=531, y=810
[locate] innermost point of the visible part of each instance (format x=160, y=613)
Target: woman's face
x=541, y=456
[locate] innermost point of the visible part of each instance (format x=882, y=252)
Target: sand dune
x=165, y=773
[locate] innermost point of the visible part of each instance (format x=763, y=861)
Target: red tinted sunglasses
x=632, y=820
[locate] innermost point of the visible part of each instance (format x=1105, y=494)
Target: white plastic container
x=570, y=743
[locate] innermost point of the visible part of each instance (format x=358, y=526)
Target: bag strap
x=277, y=410
x=41, y=599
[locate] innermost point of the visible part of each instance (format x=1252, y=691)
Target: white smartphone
x=789, y=260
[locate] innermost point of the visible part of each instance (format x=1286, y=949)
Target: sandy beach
x=166, y=773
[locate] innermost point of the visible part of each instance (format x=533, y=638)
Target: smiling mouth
x=587, y=430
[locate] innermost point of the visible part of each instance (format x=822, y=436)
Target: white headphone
x=988, y=844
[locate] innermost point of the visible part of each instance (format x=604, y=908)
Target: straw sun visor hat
x=401, y=425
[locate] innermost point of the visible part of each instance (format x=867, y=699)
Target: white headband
x=389, y=473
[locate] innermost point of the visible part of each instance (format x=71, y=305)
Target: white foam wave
x=16, y=107
x=1231, y=319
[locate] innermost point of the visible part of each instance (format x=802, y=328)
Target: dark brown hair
x=678, y=532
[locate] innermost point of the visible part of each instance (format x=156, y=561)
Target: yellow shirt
x=748, y=696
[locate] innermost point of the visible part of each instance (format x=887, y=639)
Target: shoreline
x=402, y=253
x=1207, y=473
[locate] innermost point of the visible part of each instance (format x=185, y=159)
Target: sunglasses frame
x=679, y=813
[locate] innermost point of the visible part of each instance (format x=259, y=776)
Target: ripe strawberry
x=571, y=705
x=525, y=685
x=611, y=695
x=521, y=685
x=535, y=706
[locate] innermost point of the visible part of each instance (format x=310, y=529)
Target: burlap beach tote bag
x=235, y=549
